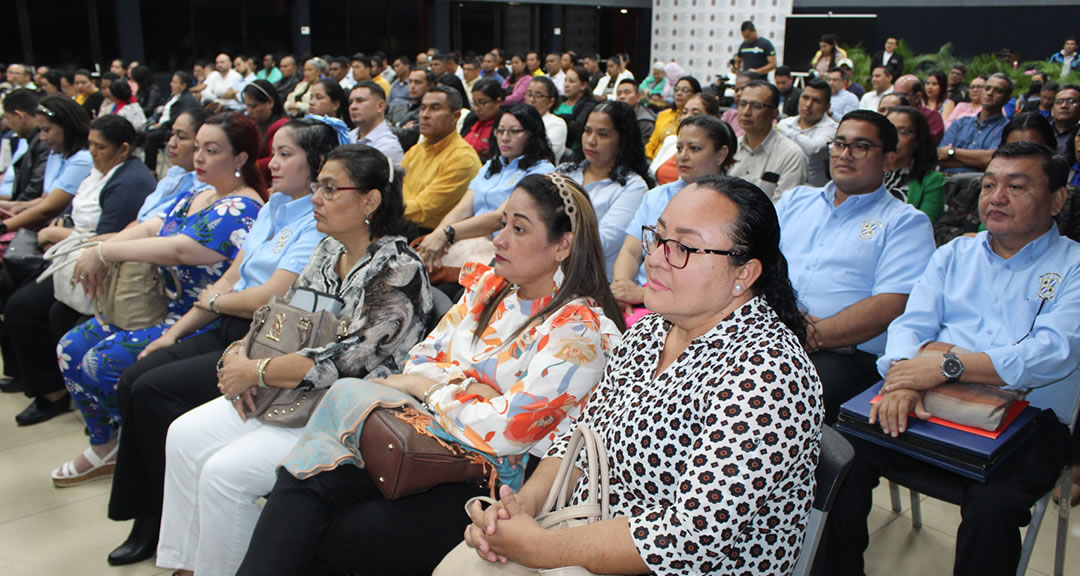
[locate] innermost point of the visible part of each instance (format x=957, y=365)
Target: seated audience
x=361, y=71
x=326, y=98
x=912, y=176
x=575, y=109
x=910, y=87
x=180, y=178
x=543, y=95
x=958, y=88
x=119, y=101
x=338, y=70
x=1065, y=116
x=219, y=458
x=470, y=72
x=789, y=93
x=1044, y=104
x=269, y=70
x=937, y=97
x=974, y=106
x=265, y=108
x=171, y=378
x=159, y=125
x=854, y=251
x=298, y=101
x=367, y=109
x=961, y=216
x=718, y=273
x=842, y=101
x=522, y=149
x=399, y=89
x=517, y=83
x=953, y=303
x=290, y=77
x=222, y=80
x=20, y=113
x=200, y=232
x=613, y=173
x=890, y=101
x=487, y=97
x=404, y=116
x=765, y=157
x=667, y=121
x=664, y=167
x=652, y=87
x=106, y=201
x=731, y=115
x=616, y=72
x=87, y=94
x=705, y=148
x=813, y=129
x=545, y=294
x=881, y=81
x=439, y=169
x=969, y=142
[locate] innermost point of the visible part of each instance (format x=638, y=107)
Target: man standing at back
x=889, y=58
x=765, y=157
x=756, y=54
x=854, y=251
x=439, y=169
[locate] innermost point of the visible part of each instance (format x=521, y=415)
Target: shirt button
x=989, y=332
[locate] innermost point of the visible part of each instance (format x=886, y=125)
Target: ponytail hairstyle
x=243, y=136
x=719, y=132
x=584, y=270
x=316, y=140
x=70, y=117
x=755, y=234
x=368, y=169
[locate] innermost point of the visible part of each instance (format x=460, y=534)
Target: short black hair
x=374, y=88
x=361, y=57
x=885, y=129
x=774, y=92
x=21, y=99
x=1030, y=121
x=782, y=71
x=429, y=76
x=1054, y=166
x=69, y=116
x=747, y=25
x=454, y=97
x=1050, y=86
x=820, y=84
x=340, y=61
x=888, y=72
x=404, y=60
x=626, y=81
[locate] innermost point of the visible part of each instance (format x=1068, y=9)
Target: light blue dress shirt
x=490, y=193
x=841, y=103
x=839, y=255
x=381, y=139
x=614, y=205
x=282, y=238
x=66, y=173
x=176, y=182
x=973, y=298
x=969, y=134
x=8, y=182
x=652, y=206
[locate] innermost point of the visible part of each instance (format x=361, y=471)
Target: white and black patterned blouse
x=712, y=460
x=387, y=297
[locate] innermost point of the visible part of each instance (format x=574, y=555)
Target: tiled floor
x=45, y=531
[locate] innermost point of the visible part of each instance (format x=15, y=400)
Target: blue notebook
x=969, y=455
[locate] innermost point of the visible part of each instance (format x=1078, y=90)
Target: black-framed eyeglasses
x=329, y=191
x=859, y=150
x=676, y=253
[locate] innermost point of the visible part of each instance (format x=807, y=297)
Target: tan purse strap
x=598, y=478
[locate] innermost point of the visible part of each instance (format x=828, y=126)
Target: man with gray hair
x=970, y=142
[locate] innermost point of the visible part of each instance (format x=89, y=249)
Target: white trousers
x=217, y=465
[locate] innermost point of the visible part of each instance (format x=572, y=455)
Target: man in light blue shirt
x=176, y=182
x=1010, y=295
x=367, y=110
x=842, y=101
x=853, y=251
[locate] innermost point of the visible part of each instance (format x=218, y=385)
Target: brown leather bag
x=976, y=405
x=278, y=329
x=401, y=461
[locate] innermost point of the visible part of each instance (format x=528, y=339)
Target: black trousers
x=35, y=322
x=7, y=349
x=337, y=522
x=988, y=540
x=843, y=376
x=152, y=393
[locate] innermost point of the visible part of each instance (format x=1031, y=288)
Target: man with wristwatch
x=969, y=142
x=1011, y=295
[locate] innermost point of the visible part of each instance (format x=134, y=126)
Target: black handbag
x=24, y=259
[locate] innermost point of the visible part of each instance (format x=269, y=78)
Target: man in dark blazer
x=889, y=58
x=20, y=108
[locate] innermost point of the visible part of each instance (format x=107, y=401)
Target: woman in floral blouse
x=197, y=239
x=710, y=411
x=505, y=372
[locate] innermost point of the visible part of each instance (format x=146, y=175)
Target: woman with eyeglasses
x=543, y=96
x=668, y=120
x=706, y=147
x=522, y=149
x=219, y=457
x=176, y=372
x=710, y=412
x=478, y=127
x=913, y=176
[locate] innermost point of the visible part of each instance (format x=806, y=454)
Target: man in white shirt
x=812, y=129
x=766, y=158
x=553, y=67
x=367, y=110
x=220, y=83
x=339, y=70
x=245, y=67
x=881, y=82
x=842, y=100
x=470, y=70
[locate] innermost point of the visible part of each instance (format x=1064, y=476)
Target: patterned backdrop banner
x=702, y=36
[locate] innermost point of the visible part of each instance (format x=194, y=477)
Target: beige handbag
x=278, y=329
x=135, y=295
x=62, y=257
x=555, y=514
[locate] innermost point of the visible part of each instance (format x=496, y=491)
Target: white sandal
x=67, y=475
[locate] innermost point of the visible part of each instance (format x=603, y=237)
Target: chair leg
x=894, y=494
x=1037, y=515
x=1063, y=521
x=916, y=509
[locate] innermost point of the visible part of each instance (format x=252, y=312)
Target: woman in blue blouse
x=195, y=238
x=176, y=373
x=523, y=149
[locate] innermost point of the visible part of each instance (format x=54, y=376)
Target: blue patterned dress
x=93, y=356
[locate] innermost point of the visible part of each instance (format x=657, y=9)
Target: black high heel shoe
x=140, y=545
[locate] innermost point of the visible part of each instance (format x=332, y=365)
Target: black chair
x=834, y=463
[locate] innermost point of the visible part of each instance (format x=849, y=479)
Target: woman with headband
x=507, y=369
x=264, y=106
x=219, y=459
x=176, y=372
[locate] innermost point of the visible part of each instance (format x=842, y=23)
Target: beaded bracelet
x=228, y=349
x=260, y=370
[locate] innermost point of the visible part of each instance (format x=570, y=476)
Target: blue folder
x=964, y=453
